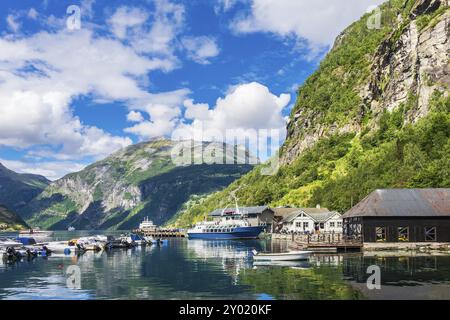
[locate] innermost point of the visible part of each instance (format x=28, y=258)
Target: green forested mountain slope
x=10, y=220
x=18, y=189
x=376, y=114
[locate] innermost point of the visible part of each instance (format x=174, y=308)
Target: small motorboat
x=10, y=243
x=281, y=256
x=35, y=232
x=92, y=243
x=301, y=264
x=71, y=228
x=64, y=247
x=137, y=239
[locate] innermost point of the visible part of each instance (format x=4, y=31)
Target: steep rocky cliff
x=376, y=114
x=370, y=71
x=119, y=191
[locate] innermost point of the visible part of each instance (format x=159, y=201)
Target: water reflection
x=198, y=269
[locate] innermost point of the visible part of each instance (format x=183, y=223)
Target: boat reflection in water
x=232, y=255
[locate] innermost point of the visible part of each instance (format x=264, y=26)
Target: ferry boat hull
x=237, y=233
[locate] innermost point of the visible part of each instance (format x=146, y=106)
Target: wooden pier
x=161, y=233
x=321, y=243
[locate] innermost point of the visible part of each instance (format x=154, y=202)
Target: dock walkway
x=321, y=243
x=161, y=233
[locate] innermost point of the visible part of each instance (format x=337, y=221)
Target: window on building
x=339, y=224
x=298, y=224
x=380, y=234
x=430, y=234
x=403, y=234
x=322, y=225
x=305, y=225
x=331, y=224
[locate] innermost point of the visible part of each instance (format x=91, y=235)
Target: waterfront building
x=400, y=215
x=309, y=220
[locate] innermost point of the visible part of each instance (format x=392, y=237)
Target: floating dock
x=321, y=243
x=160, y=233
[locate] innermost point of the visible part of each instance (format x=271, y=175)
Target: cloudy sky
x=135, y=70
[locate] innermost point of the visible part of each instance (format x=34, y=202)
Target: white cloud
x=150, y=32
x=318, y=22
x=52, y=170
x=87, y=8
x=125, y=18
x=42, y=74
x=246, y=106
x=32, y=14
x=199, y=111
x=224, y=5
x=164, y=112
x=201, y=49
x=135, y=116
x=12, y=22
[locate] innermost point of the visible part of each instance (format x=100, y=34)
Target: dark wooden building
x=400, y=215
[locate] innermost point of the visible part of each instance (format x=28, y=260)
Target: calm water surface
x=198, y=269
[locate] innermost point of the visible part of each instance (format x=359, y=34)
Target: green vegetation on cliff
x=10, y=221
x=385, y=150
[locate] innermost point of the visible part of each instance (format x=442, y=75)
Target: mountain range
x=135, y=182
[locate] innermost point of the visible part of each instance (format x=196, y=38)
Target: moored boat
x=37, y=234
x=10, y=243
x=64, y=247
x=147, y=225
x=282, y=256
x=232, y=225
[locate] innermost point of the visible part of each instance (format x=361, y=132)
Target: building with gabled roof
x=310, y=220
x=401, y=215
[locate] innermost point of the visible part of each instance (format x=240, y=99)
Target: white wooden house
x=311, y=220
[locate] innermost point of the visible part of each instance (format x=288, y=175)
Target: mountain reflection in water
x=199, y=269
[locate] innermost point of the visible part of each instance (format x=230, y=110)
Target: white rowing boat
x=282, y=256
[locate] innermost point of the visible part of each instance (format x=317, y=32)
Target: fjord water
x=200, y=269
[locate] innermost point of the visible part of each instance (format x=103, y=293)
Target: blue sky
x=136, y=70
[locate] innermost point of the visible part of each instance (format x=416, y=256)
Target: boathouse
x=400, y=215
x=309, y=220
x=255, y=215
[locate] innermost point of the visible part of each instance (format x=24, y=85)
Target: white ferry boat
x=147, y=225
x=230, y=226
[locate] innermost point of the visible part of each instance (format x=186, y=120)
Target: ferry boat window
x=380, y=234
x=430, y=234
x=403, y=234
